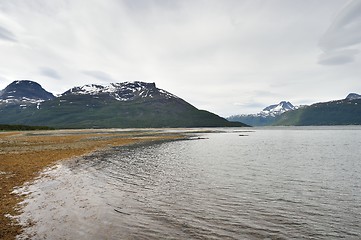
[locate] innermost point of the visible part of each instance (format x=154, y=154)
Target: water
x=282, y=183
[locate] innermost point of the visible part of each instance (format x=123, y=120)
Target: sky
x=225, y=56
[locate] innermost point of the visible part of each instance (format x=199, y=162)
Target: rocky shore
x=23, y=155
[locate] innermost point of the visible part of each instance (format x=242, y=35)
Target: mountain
x=266, y=117
x=277, y=109
x=340, y=112
x=24, y=91
x=353, y=96
x=127, y=91
x=117, y=105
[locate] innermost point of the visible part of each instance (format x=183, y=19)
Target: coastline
x=23, y=156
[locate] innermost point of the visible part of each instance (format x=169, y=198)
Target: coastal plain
x=24, y=155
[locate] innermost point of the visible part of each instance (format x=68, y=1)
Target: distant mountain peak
x=24, y=91
x=266, y=117
x=125, y=91
x=353, y=96
x=277, y=109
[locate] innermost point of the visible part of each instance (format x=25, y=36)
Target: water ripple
x=274, y=184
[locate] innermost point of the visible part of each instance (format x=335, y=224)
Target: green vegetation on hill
x=117, y=105
x=342, y=112
x=84, y=111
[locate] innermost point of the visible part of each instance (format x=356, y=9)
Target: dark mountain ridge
x=24, y=90
x=353, y=96
x=117, y=105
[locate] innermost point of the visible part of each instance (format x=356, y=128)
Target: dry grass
x=24, y=154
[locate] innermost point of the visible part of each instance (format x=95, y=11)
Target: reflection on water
x=276, y=184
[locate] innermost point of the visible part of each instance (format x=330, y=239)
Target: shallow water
x=280, y=183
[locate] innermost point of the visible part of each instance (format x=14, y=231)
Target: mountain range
x=140, y=104
x=337, y=112
x=266, y=117
x=117, y=105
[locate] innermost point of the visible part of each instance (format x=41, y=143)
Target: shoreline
x=24, y=155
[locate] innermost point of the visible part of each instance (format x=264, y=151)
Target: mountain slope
x=353, y=96
x=266, y=117
x=24, y=91
x=341, y=112
x=136, y=104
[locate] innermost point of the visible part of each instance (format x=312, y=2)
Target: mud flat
x=23, y=155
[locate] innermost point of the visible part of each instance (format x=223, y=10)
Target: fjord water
x=280, y=183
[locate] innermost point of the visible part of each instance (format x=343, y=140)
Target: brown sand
x=23, y=155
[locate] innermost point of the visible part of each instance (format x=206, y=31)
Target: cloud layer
x=7, y=35
x=228, y=57
x=49, y=72
x=341, y=41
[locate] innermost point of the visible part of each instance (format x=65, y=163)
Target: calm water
x=287, y=183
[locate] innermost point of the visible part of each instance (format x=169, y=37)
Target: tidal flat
x=24, y=155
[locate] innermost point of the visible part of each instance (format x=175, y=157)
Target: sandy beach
x=23, y=155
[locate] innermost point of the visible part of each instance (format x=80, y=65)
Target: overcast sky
x=225, y=56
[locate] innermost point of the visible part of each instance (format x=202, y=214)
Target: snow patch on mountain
x=271, y=111
x=24, y=92
x=12, y=99
x=277, y=109
x=125, y=91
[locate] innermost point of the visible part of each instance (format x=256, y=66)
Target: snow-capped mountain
x=277, y=109
x=24, y=91
x=126, y=91
x=353, y=96
x=266, y=117
x=116, y=105
x=336, y=112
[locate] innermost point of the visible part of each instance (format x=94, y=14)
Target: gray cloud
x=338, y=57
x=258, y=105
x=99, y=75
x=7, y=35
x=211, y=53
x=344, y=32
x=49, y=72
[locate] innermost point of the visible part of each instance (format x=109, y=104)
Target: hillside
x=341, y=112
x=117, y=105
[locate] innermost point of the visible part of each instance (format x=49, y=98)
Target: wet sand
x=23, y=155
